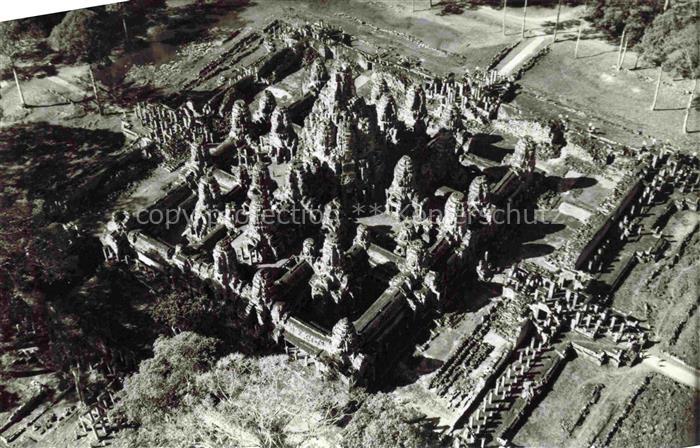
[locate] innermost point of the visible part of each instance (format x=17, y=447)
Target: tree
x=384, y=422
x=16, y=222
x=33, y=254
x=263, y=396
x=32, y=27
x=632, y=34
x=623, y=19
x=132, y=9
x=135, y=8
x=10, y=39
x=20, y=37
x=665, y=37
x=556, y=25
x=185, y=311
x=52, y=254
x=247, y=401
x=690, y=103
x=164, y=382
x=672, y=41
x=82, y=35
x=612, y=17
x=656, y=89
x=578, y=39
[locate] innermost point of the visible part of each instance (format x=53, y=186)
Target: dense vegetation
x=665, y=32
x=384, y=422
x=164, y=381
x=82, y=35
x=667, y=38
x=673, y=40
x=183, y=310
x=184, y=397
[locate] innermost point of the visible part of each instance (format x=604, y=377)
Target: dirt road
x=674, y=369
x=529, y=50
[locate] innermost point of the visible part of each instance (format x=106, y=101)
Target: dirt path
x=66, y=84
x=533, y=26
x=673, y=369
x=526, y=53
x=536, y=17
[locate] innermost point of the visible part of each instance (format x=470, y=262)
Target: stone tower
x=402, y=196
x=240, y=121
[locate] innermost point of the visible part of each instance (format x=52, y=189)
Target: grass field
x=554, y=417
x=664, y=415
x=664, y=300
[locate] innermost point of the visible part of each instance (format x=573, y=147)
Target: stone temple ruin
x=342, y=220
x=338, y=287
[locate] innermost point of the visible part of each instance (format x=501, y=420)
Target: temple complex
x=345, y=217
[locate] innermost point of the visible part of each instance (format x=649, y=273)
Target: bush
x=32, y=27
x=250, y=401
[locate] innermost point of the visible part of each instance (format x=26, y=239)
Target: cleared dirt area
x=591, y=89
x=62, y=99
x=475, y=36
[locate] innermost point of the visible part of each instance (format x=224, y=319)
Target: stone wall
x=510, y=122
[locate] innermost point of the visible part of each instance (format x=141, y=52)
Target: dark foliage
x=612, y=17
x=384, y=422
x=667, y=38
x=188, y=311
x=673, y=40
x=56, y=159
x=83, y=35
x=136, y=7
x=32, y=27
